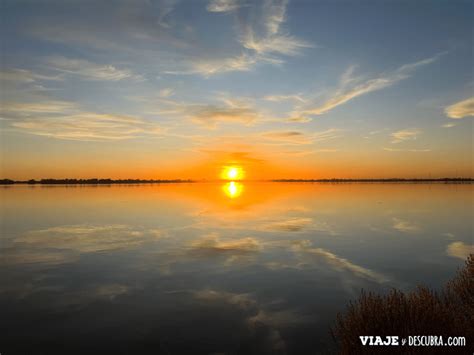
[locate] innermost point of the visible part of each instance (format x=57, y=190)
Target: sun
x=232, y=173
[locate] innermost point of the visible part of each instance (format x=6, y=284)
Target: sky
x=282, y=89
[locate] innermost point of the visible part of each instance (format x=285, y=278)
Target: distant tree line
x=89, y=181
x=152, y=181
x=457, y=179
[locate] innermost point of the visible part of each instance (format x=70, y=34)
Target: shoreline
x=180, y=181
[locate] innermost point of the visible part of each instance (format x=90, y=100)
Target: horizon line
x=105, y=181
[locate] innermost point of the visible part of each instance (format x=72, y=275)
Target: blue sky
x=289, y=88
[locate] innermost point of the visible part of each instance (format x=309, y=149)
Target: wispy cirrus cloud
x=261, y=40
x=209, y=67
x=65, y=120
x=351, y=87
x=460, y=109
x=449, y=125
x=407, y=150
x=26, y=76
x=123, y=25
x=271, y=38
x=87, y=126
x=279, y=98
x=29, y=108
x=222, y=5
x=90, y=71
x=167, y=92
x=299, y=137
x=211, y=115
x=405, y=135
x=291, y=137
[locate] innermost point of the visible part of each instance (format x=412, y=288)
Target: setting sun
x=232, y=173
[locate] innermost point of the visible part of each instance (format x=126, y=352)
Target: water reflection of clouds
x=296, y=224
x=460, y=250
x=304, y=248
x=263, y=270
x=279, y=223
x=213, y=243
x=56, y=245
x=63, y=244
x=307, y=257
x=88, y=238
x=405, y=226
x=271, y=315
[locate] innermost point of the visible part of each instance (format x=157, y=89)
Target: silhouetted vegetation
x=449, y=312
x=6, y=182
x=446, y=180
x=90, y=181
x=159, y=181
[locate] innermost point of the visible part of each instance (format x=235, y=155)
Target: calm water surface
x=257, y=268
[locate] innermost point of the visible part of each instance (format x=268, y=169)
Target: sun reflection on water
x=233, y=189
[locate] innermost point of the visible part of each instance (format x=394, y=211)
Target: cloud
x=407, y=150
x=271, y=39
x=236, y=157
x=65, y=120
x=123, y=25
x=222, y=5
x=351, y=87
x=460, y=250
x=328, y=134
x=298, y=119
x=405, y=226
x=405, y=135
x=211, y=115
x=261, y=40
x=224, y=110
x=280, y=98
x=167, y=92
x=26, y=76
x=449, y=125
x=87, y=126
x=282, y=44
x=90, y=71
x=297, y=137
x=460, y=109
x=43, y=107
x=212, y=66
x=292, y=137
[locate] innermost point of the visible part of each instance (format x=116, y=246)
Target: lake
x=208, y=268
